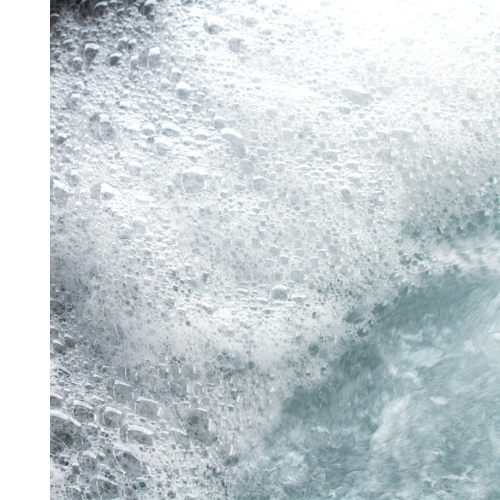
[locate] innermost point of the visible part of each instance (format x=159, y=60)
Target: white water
x=297, y=263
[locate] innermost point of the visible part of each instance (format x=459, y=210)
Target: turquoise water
x=411, y=411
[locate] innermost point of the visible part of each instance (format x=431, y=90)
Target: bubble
x=235, y=43
x=346, y=196
x=114, y=58
x=279, y=292
x=236, y=141
x=111, y=417
x=101, y=128
x=358, y=95
x=88, y=460
x=219, y=122
x=331, y=154
x=126, y=460
x=194, y=180
x=137, y=433
x=214, y=26
x=263, y=152
x=122, y=391
x=56, y=399
x=161, y=145
x=154, y=58
x=107, y=192
x=58, y=347
x=297, y=275
x=64, y=429
x=148, y=129
x=140, y=224
x=60, y=192
x=147, y=408
x=170, y=129
x=183, y=90
x=259, y=183
x=134, y=61
x=83, y=411
x=102, y=487
x=201, y=134
x=147, y=7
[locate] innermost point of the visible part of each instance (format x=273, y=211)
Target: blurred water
x=410, y=411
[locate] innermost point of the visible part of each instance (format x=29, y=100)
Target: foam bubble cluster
x=238, y=191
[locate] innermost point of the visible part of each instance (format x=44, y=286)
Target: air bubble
x=358, y=95
x=183, y=90
x=279, y=292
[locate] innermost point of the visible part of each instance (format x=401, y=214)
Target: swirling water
x=411, y=411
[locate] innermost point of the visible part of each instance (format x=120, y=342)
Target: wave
x=410, y=411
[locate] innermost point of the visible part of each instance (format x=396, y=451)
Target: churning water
x=410, y=412
x=275, y=250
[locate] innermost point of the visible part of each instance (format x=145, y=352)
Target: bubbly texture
x=275, y=249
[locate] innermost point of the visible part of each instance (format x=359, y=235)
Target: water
x=275, y=251
x=409, y=412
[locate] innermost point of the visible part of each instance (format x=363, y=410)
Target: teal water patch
x=410, y=412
